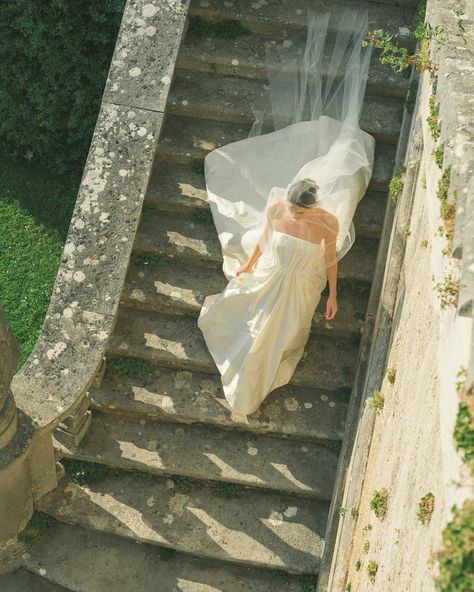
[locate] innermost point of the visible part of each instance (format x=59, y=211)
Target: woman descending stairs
x=216, y=505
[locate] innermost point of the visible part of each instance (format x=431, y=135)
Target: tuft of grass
x=183, y=484
x=366, y=547
x=379, y=503
x=391, y=375
x=372, y=568
x=367, y=528
x=438, y=156
x=342, y=511
x=349, y=587
x=354, y=512
x=397, y=182
x=433, y=118
x=448, y=291
x=425, y=508
x=424, y=243
x=309, y=583
x=378, y=401
x=464, y=434
x=88, y=473
x=130, y=367
x=358, y=565
x=456, y=557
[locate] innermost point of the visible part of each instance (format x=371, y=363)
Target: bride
x=282, y=204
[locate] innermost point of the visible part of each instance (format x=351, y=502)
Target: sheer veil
x=308, y=128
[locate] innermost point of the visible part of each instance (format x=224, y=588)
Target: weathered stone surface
x=198, y=522
x=245, y=57
x=282, y=17
x=192, y=241
x=188, y=140
x=89, y=561
x=145, y=53
x=23, y=580
x=172, y=340
x=10, y=355
x=177, y=288
x=232, y=99
x=189, y=397
x=205, y=452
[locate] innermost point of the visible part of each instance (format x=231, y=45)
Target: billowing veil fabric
x=256, y=329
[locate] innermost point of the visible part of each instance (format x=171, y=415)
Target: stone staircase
x=215, y=505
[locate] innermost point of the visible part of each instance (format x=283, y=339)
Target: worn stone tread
x=179, y=288
x=194, y=397
x=209, y=453
x=23, y=580
x=176, y=341
x=255, y=528
x=188, y=140
x=230, y=99
x=180, y=188
x=245, y=57
x=275, y=16
x=87, y=560
x=187, y=240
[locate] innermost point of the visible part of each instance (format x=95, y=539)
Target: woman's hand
x=245, y=268
x=331, y=308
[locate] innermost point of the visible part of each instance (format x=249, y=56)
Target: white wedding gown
x=257, y=327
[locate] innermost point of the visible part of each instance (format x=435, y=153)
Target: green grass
x=379, y=503
x=131, y=366
x=36, y=525
x=35, y=211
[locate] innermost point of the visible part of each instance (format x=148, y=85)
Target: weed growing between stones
x=464, y=434
x=131, y=367
x=166, y=553
x=358, y=565
x=438, y=156
x=348, y=587
x=88, y=473
x=37, y=524
x=448, y=291
x=379, y=503
x=425, y=508
x=334, y=445
x=354, y=512
x=152, y=260
x=309, y=583
x=183, y=484
x=447, y=208
x=372, y=568
x=433, y=118
x=456, y=558
x=424, y=243
x=378, y=401
x=410, y=98
x=391, y=374
x=367, y=528
x=397, y=182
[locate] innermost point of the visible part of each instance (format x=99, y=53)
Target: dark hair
x=303, y=193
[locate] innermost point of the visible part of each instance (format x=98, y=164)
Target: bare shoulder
x=330, y=219
x=275, y=206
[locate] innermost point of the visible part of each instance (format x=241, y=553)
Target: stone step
x=253, y=528
x=230, y=99
x=87, y=560
x=194, y=241
x=176, y=341
x=187, y=397
x=245, y=56
x=188, y=140
x=181, y=188
x=23, y=580
x=177, y=288
x=277, y=17
x=209, y=453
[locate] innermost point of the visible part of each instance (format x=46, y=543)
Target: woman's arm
x=249, y=264
x=331, y=262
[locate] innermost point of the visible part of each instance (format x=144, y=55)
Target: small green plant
x=183, y=484
x=367, y=528
x=349, y=587
x=151, y=260
x=426, y=507
x=366, y=547
x=456, y=557
x=379, y=503
x=130, y=366
x=424, y=243
x=354, y=512
x=227, y=490
x=38, y=523
x=407, y=231
x=342, y=511
x=334, y=445
x=396, y=183
x=423, y=181
x=464, y=434
x=372, y=568
x=438, y=156
x=460, y=30
x=433, y=118
x=166, y=553
x=309, y=583
x=448, y=291
x=378, y=401
x=391, y=374
x=410, y=98
x=358, y=565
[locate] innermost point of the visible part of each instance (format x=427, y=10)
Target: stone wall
x=425, y=334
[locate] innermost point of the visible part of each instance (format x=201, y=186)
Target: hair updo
x=303, y=193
